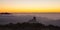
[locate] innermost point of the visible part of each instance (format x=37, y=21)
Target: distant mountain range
x=5, y=13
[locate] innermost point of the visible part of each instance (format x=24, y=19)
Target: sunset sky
x=29, y=6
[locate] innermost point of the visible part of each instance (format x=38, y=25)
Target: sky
x=29, y=6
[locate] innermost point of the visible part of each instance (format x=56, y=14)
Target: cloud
x=25, y=18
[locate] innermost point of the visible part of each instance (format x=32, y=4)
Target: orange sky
x=29, y=6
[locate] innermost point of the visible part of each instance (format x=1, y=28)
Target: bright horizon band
x=30, y=11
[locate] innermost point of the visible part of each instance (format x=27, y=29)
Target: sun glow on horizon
x=29, y=6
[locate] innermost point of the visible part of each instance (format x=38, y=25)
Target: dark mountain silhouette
x=5, y=13
x=28, y=26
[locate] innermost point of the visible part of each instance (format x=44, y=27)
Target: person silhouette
x=34, y=18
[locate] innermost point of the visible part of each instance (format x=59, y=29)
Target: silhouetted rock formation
x=28, y=26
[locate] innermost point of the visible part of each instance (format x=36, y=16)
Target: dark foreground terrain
x=28, y=26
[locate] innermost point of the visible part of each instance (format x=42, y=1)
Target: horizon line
x=33, y=12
